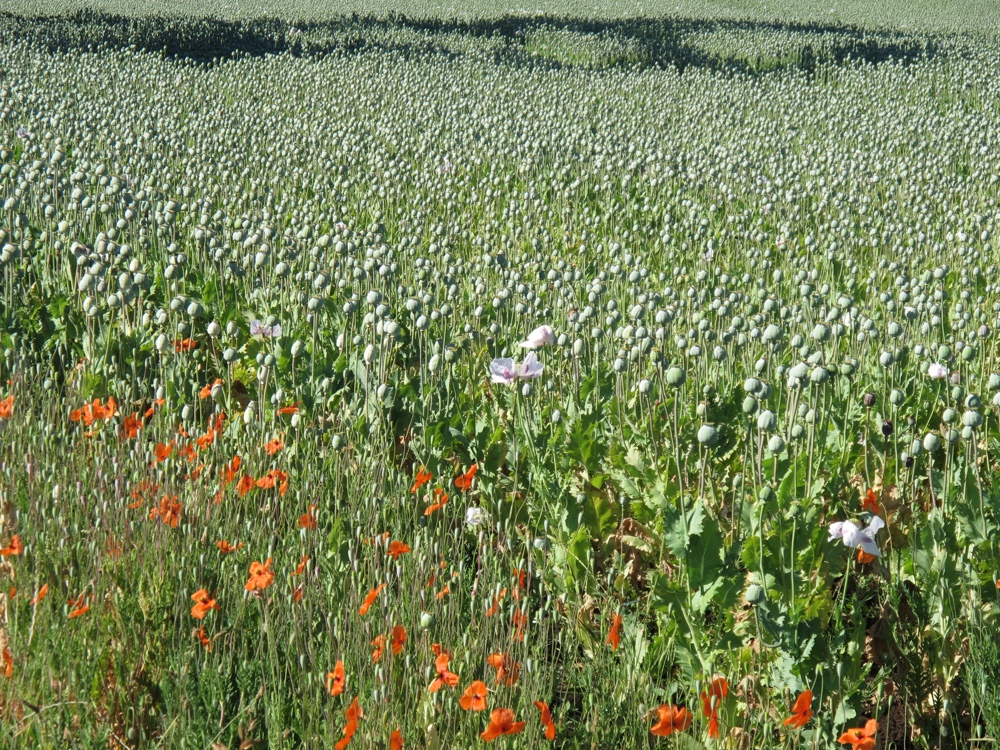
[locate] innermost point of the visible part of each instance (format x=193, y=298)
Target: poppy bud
x=887, y=427
x=869, y=399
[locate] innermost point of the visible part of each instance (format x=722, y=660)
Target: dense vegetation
x=278, y=470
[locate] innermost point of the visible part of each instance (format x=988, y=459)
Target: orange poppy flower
x=204, y=441
x=308, y=520
x=353, y=713
x=521, y=581
x=300, y=568
x=444, y=677
x=440, y=500
x=710, y=699
x=502, y=722
x=14, y=548
x=273, y=446
x=335, y=679
x=520, y=622
x=379, y=644
x=261, y=576
x=443, y=593
x=42, y=593
x=131, y=426
x=298, y=592
x=8, y=662
x=293, y=409
x=398, y=638
x=207, y=390
x=550, y=727
x=230, y=469
x=474, y=697
x=203, y=638
x=422, y=478
x=614, y=636
x=861, y=739
x=188, y=452
x=79, y=608
x=370, y=599
x=671, y=719
x=245, y=484
x=225, y=547
x=864, y=557
x=203, y=604
x=6, y=407
x=168, y=511
x=870, y=502
x=464, y=481
x=801, y=710
x=497, y=598
x=396, y=740
x=397, y=548
x=161, y=452
x=267, y=481
x=185, y=345
x=507, y=669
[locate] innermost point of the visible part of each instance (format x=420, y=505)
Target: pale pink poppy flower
x=539, y=337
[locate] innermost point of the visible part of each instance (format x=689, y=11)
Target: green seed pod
x=708, y=435
x=972, y=418
x=896, y=397
x=755, y=594
x=932, y=442
x=750, y=405
x=949, y=416
x=776, y=444
x=676, y=377
x=767, y=420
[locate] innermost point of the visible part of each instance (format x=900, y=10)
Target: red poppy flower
x=261, y=576
x=422, y=478
x=335, y=679
x=495, y=607
x=14, y=548
x=396, y=549
x=225, y=547
x=671, y=719
x=614, y=636
x=162, y=451
x=474, y=697
x=6, y=407
x=203, y=604
x=550, y=727
x=379, y=644
x=861, y=739
x=801, y=711
x=205, y=642
x=870, y=502
x=502, y=722
x=273, y=446
x=396, y=740
x=370, y=599
x=464, y=481
x=507, y=669
x=168, y=511
x=293, y=409
x=300, y=568
x=308, y=519
x=398, y=638
x=444, y=677
x=42, y=593
x=440, y=500
x=245, y=484
x=710, y=699
x=131, y=426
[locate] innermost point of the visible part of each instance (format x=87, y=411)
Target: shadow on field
x=547, y=41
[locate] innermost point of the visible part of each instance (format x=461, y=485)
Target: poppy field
x=616, y=378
